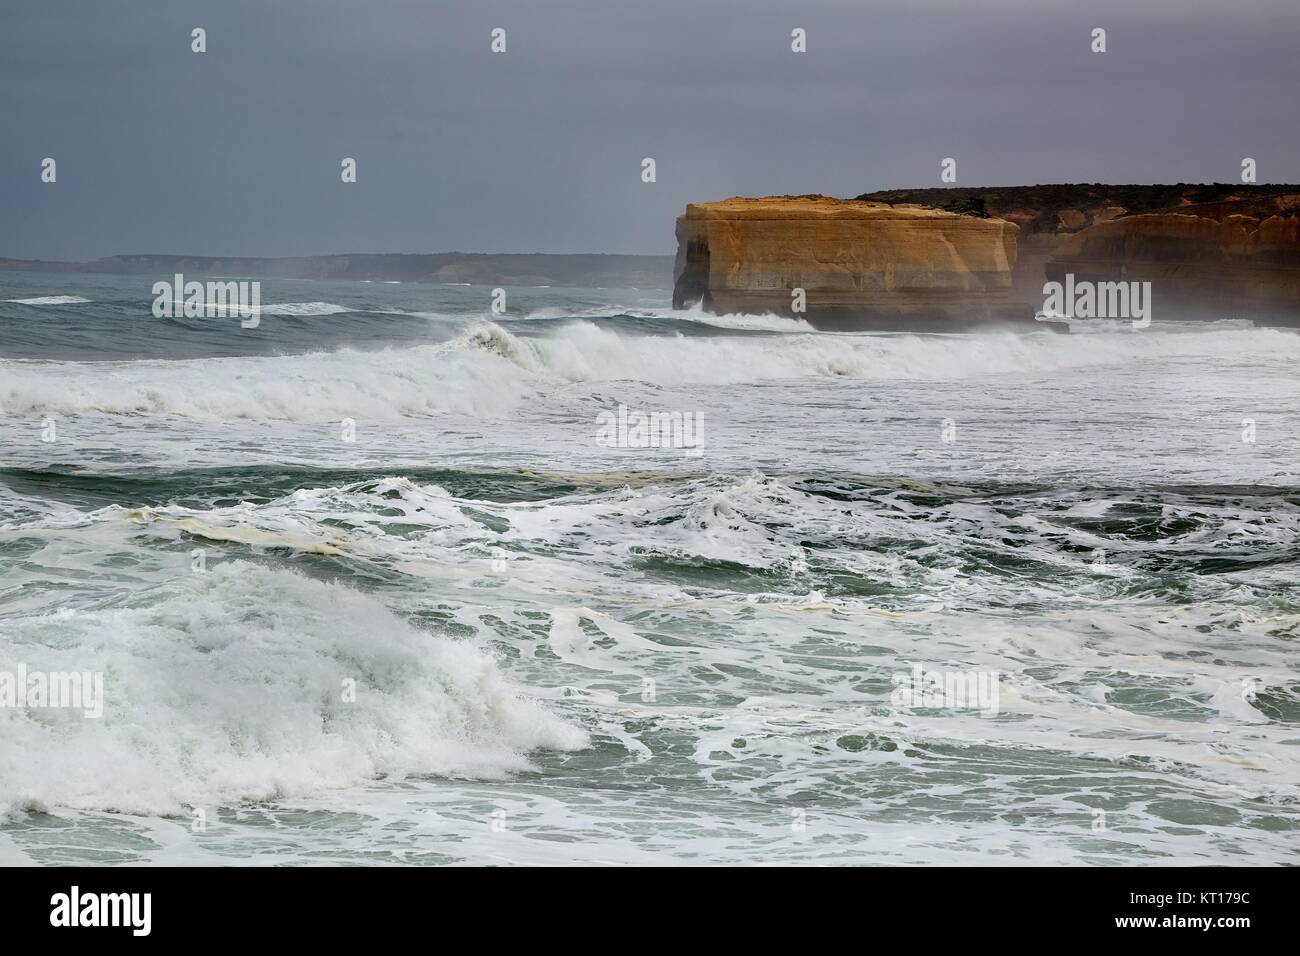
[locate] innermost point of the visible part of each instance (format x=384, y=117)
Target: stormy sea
x=377, y=581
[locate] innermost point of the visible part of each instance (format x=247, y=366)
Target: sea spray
x=231, y=685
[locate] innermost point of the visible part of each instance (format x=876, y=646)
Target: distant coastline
x=579, y=270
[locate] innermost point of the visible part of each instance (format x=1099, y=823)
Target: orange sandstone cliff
x=1209, y=251
x=859, y=264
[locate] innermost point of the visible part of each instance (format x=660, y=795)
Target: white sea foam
x=752, y=323
x=1089, y=678
x=318, y=387
x=726, y=629
x=755, y=323
x=487, y=370
x=583, y=351
x=229, y=685
x=304, y=308
x=52, y=300
x=761, y=323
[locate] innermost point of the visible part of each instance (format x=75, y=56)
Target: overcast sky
x=237, y=151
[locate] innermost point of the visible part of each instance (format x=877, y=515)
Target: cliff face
x=1212, y=251
x=860, y=263
x=1240, y=266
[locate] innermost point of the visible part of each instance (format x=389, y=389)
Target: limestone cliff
x=860, y=264
x=1209, y=251
x=1240, y=266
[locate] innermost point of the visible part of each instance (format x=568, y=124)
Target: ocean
x=367, y=584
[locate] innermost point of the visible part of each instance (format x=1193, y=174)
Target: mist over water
x=569, y=652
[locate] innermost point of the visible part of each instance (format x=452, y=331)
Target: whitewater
x=364, y=587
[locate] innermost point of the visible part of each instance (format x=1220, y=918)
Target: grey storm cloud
x=237, y=151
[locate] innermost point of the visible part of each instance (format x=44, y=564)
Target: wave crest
x=51, y=300
x=231, y=685
x=487, y=371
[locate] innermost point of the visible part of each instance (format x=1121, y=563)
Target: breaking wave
x=232, y=685
x=488, y=370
